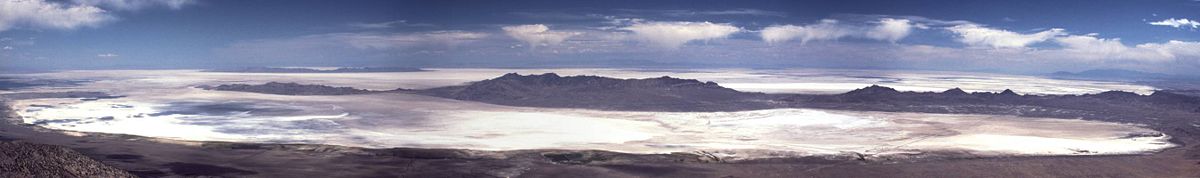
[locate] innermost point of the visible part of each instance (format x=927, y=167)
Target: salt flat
x=165, y=104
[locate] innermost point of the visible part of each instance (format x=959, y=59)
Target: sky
x=1026, y=37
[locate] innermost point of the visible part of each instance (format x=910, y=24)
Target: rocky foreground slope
x=21, y=159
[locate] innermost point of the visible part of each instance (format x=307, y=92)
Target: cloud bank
x=886, y=29
x=136, y=4
x=676, y=34
x=619, y=41
x=67, y=16
x=537, y=34
x=891, y=30
x=979, y=36
x=825, y=30
x=42, y=14
x=1178, y=23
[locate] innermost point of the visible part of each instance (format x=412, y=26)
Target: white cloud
x=136, y=4
x=675, y=34
x=888, y=29
x=1076, y=52
x=537, y=34
x=7, y=48
x=825, y=30
x=1091, y=44
x=891, y=30
x=107, y=55
x=71, y=15
x=42, y=14
x=1089, y=47
x=1178, y=23
x=979, y=36
x=1175, y=49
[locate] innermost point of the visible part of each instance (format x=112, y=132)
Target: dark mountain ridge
x=288, y=89
x=674, y=94
x=594, y=92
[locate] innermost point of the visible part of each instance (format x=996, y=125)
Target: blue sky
x=990, y=36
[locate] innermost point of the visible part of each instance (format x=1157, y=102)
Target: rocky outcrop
x=19, y=159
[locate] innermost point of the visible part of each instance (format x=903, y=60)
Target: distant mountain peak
x=1008, y=92
x=518, y=75
x=1117, y=94
x=510, y=75
x=955, y=91
x=873, y=90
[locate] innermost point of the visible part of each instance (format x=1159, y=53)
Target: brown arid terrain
x=152, y=157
